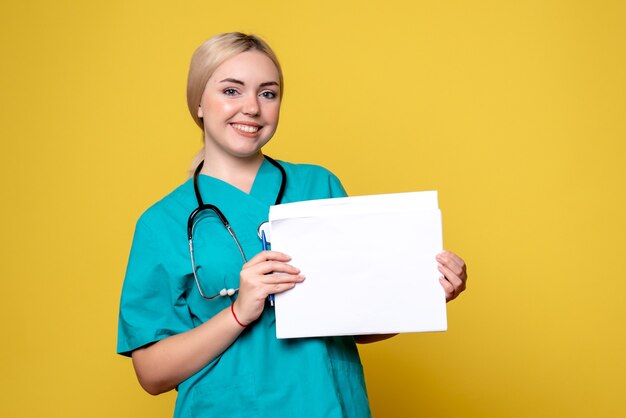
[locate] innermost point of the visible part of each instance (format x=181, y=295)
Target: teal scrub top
x=258, y=375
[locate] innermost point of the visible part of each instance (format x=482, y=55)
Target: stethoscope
x=202, y=207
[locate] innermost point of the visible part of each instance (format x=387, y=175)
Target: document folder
x=369, y=263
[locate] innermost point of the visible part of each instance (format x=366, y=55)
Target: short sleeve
x=335, y=186
x=152, y=305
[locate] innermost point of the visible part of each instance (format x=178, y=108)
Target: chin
x=246, y=153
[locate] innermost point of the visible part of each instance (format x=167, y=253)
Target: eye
x=268, y=94
x=230, y=92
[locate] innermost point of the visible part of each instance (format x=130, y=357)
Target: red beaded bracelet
x=232, y=309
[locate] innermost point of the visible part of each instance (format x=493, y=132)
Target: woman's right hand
x=265, y=274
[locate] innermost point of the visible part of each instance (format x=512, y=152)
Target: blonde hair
x=210, y=55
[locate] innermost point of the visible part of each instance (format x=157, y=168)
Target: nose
x=251, y=106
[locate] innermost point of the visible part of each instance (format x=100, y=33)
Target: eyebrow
x=234, y=80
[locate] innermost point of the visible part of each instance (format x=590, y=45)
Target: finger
x=273, y=283
x=280, y=288
x=452, y=278
x=278, y=278
x=448, y=289
x=268, y=255
x=453, y=262
x=267, y=267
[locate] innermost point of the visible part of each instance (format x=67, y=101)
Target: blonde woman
x=205, y=327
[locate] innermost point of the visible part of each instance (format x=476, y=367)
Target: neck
x=239, y=172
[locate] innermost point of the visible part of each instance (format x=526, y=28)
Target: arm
x=163, y=365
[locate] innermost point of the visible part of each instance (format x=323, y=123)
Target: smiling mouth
x=246, y=128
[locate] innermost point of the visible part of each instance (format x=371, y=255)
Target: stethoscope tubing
x=207, y=206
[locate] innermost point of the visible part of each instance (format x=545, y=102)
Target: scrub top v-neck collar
x=265, y=186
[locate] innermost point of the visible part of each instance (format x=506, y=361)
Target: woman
x=208, y=330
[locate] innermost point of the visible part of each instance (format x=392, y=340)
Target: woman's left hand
x=454, y=274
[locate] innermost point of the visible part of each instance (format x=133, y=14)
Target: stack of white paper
x=369, y=263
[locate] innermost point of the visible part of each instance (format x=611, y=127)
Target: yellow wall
x=514, y=111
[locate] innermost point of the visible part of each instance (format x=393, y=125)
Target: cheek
x=273, y=112
x=218, y=111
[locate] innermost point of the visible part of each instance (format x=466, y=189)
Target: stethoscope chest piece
x=265, y=228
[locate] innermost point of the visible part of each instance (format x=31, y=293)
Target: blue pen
x=264, y=243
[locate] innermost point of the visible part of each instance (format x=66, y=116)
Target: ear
x=200, y=113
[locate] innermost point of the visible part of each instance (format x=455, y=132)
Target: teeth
x=245, y=128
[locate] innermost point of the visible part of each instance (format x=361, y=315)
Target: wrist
x=240, y=323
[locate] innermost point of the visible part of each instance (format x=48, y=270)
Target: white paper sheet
x=369, y=263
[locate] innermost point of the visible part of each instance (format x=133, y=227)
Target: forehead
x=250, y=66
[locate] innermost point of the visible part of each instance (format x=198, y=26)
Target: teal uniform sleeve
x=152, y=305
x=335, y=186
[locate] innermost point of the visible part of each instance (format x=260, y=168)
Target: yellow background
x=513, y=110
